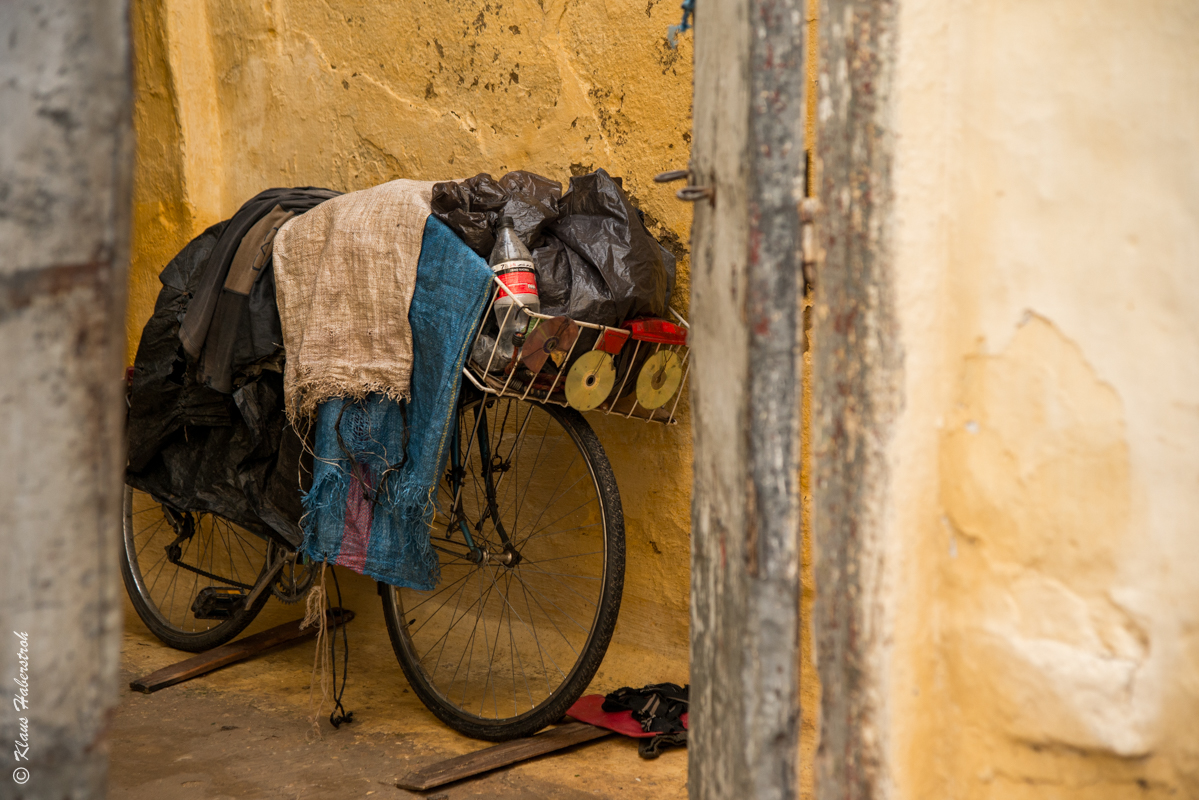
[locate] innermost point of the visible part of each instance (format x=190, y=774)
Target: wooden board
x=233, y=652
x=501, y=755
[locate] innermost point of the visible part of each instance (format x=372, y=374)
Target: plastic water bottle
x=513, y=265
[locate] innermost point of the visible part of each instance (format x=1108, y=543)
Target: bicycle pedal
x=218, y=602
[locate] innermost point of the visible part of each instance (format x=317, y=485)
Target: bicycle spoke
x=537, y=599
x=157, y=526
x=536, y=459
x=564, y=530
x=445, y=636
x=491, y=659
x=555, y=605
x=447, y=588
x=537, y=641
x=515, y=651
x=560, y=558
x=563, y=584
x=564, y=574
x=474, y=630
x=559, y=519
x=554, y=501
x=454, y=623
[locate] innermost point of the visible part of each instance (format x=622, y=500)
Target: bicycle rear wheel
x=531, y=538
x=169, y=558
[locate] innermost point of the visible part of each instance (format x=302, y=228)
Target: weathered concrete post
x=747, y=290
x=65, y=171
x=856, y=372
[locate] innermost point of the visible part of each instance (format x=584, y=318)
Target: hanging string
x=318, y=612
x=339, y=714
x=314, y=614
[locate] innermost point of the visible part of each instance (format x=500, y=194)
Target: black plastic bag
x=618, y=271
x=473, y=207
x=595, y=260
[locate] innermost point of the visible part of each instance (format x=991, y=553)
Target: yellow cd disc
x=590, y=380
x=659, y=379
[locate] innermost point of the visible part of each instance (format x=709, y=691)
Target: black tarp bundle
x=227, y=331
x=594, y=258
x=200, y=449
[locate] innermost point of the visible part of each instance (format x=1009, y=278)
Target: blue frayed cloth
x=373, y=491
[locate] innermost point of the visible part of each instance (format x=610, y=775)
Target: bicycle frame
x=491, y=486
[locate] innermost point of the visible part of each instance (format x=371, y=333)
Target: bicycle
x=530, y=533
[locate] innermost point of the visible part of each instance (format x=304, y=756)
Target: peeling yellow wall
x=233, y=98
x=1043, y=550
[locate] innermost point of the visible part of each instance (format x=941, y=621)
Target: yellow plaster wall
x=162, y=223
x=234, y=97
x=1043, y=548
x=809, y=678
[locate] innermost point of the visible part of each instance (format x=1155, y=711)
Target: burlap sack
x=344, y=276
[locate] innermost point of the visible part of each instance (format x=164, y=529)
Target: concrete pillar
x=65, y=171
x=747, y=287
x=1006, y=361
x=856, y=366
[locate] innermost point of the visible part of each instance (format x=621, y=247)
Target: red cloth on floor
x=589, y=709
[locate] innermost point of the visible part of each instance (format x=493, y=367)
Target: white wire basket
x=630, y=346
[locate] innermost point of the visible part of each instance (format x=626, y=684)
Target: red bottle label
x=519, y=280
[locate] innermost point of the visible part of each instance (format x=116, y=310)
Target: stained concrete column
x=856, y=369
x=65, y=173
x=746, y=285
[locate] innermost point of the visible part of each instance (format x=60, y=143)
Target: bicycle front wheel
x=531, y=539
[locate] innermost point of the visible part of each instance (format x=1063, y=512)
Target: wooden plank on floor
x=233, y=652
x=501, y=755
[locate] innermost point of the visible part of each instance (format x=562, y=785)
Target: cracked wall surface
x=1040, y=589
x=233, y=98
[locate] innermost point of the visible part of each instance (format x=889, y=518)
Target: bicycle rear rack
x=548, y=385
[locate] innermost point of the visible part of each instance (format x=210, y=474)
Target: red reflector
x=657, y=330
x=611, y=340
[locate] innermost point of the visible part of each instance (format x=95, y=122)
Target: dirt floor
x=244, y=731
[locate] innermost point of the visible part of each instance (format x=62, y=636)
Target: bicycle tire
x=429, y=681
x=146, y=533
